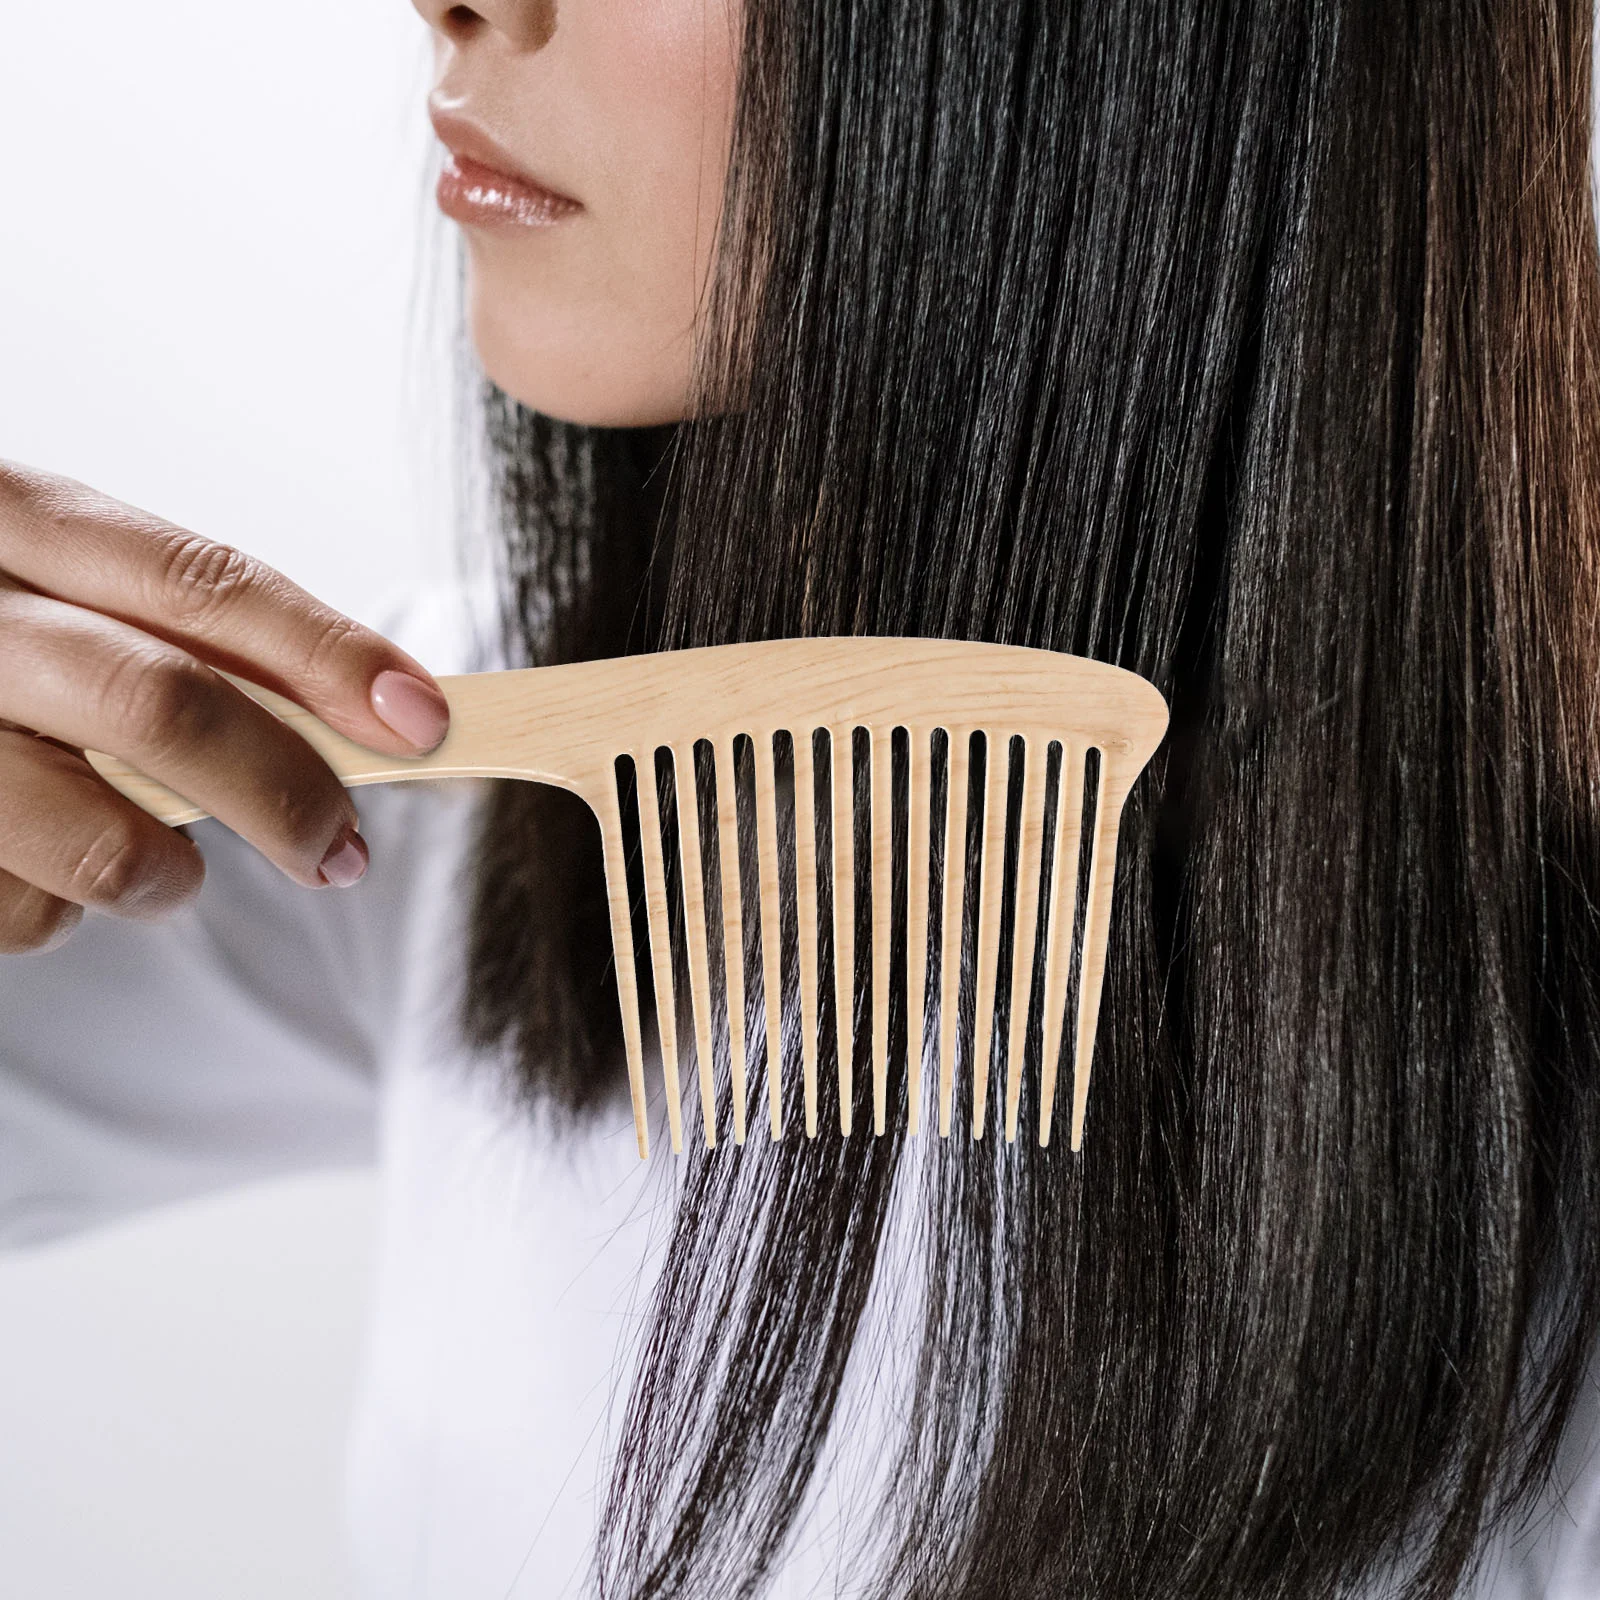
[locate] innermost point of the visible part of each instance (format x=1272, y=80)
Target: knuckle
x=112, y=870
x=333, y=639
x=164, y=702
x=27, y=488
x=48, y=514
x=57, y=511
x=198, y=576
x=14, y=478
x=304, y=820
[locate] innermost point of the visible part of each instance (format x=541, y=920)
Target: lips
x=480, y=185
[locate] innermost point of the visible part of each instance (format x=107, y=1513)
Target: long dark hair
x=1252, y=347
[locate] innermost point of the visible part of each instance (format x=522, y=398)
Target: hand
x=111, y=622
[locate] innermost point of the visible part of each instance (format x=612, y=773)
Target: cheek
x=598, y=325
x=668, y=67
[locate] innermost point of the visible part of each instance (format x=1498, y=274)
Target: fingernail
x=414, y=709
x=346, y=859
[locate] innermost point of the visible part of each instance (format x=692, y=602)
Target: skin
x=626, y=107
x=114, y=622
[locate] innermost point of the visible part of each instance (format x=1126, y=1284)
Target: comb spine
x=805, y=877
x=952, y=912
x=918, y=868
x=882, y=919
x=732, y=927
x=608, y=808
x=694, y=927
x=842, y=780
x=1063, y=912
x=771, y=928
x=1030, y=849
x=1096, y=928
x=655, y=899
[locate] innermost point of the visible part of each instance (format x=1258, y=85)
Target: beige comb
x=570, y=725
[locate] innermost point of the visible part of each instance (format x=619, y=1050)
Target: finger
x=98, y=683
x=224, y=606
x=68, y=832
x=31, y=920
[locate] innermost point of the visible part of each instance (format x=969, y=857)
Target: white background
x=217, y=267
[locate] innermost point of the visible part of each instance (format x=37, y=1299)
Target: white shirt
x=269, y=1028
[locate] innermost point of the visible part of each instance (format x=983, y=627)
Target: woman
x=1251, y=347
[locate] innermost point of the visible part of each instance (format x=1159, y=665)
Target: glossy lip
x=481, y=184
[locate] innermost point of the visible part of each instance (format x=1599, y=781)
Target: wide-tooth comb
x=572, y=725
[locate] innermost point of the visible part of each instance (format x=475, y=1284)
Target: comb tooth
x=844, y=911
x=955, y=875
x=882, y=909
x=615, y=855
x=732, y=926
x=992, y=871
x=655, y=900
x=917, y=867
x=1029, y=850
x=1058, y=932
x=694, y=926
x=1096, y=924
x=805, y=876
x=771, y=929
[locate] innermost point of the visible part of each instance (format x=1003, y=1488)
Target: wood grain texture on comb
x=805, y=899
x=570, y=725
x=692, y=878
x=771, y=928
x=657, y=915
x=952, y=916
x=919, y=869
x=882, y=895
x=841, y=782
x=1024, y=925
x=732, y=927
x=991, y=879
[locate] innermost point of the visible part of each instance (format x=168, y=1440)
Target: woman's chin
x=578, y=373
